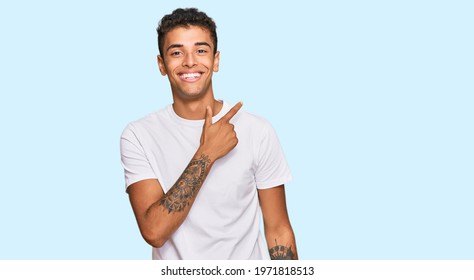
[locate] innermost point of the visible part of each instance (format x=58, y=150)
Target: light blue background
x=372, y=100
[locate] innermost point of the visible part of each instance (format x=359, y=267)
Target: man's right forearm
x=169, y=212
x=184, y=191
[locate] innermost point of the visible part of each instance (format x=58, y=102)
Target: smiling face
x=189, y=61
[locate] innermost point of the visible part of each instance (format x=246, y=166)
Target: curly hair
x=185, y=18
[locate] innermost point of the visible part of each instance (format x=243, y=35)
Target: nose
x=189, y=60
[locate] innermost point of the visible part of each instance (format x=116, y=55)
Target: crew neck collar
x=198, y=123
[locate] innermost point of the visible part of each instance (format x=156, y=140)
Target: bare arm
x=159, y=215
x=278, y=232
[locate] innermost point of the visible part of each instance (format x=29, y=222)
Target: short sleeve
x=134, y=161
x=272, y=167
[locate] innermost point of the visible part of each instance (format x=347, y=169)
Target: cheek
x=210, y=64
x=169, y=67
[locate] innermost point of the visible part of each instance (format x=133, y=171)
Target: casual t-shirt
x=224, y=221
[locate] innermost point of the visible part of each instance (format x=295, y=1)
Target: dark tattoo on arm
x=187, y=186
x=280, y=252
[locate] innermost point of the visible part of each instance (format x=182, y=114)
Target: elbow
x=156, y=243
x=154, y=238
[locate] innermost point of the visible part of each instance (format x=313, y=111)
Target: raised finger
x=232, y=112
x=208, y=119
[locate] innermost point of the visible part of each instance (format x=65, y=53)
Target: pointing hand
x=219, y=138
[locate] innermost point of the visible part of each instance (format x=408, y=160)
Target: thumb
x=208, y=119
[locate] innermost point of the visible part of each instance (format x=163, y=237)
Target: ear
x=217, y=56
x=161, y=65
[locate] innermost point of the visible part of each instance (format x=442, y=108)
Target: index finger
x=232, y=112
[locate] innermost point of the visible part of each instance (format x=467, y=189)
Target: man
x=198, y=171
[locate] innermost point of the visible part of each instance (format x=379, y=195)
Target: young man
x=199, y=171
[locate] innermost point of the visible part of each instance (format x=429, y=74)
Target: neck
x=196, y=109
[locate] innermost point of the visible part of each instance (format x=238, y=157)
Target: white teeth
x=190, y=75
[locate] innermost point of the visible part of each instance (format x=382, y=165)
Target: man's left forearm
x=282, y=245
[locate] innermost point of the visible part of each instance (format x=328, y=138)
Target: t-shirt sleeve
x=134, y=161
x=272, y=167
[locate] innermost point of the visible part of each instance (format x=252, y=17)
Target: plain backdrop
x=372, y=101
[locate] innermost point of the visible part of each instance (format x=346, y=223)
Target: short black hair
x=185, y=18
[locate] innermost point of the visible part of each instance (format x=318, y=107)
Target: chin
x=191, y=95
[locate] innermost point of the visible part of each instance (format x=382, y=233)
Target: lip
x=190, y=76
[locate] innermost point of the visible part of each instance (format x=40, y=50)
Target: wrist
x=206, y=154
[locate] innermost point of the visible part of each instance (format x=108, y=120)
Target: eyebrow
x=172, y=46
x=202, y=44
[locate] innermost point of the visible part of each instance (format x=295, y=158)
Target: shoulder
x=252, y=122
x=146, y=123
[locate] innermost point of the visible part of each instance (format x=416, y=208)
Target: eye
x=201, y=51
x=175, y=53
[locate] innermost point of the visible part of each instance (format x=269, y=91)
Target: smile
x=190, y=76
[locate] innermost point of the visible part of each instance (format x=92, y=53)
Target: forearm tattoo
x=280, y=252
x=187, y=186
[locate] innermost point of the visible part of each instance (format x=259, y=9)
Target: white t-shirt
x=224, y=221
